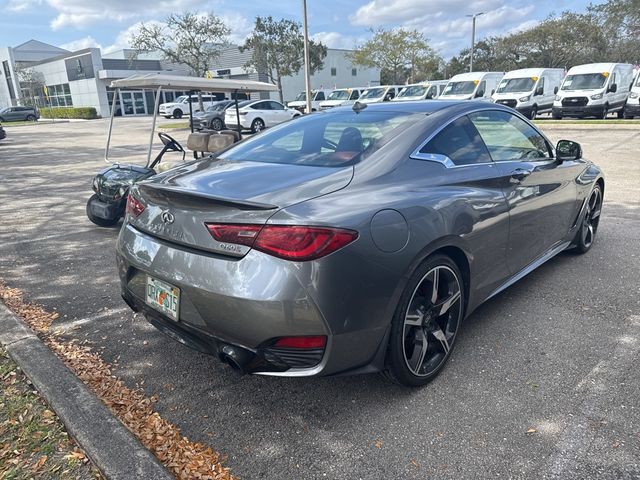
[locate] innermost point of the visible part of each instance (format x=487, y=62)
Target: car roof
x=428, y=106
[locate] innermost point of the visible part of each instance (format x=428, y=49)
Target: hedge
x=87, y=113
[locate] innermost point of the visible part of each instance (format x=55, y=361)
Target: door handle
x=520, y=174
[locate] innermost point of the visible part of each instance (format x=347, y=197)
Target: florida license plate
x=164, y=297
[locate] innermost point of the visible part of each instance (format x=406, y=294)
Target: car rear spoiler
x=171, y=193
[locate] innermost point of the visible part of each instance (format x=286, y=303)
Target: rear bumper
x=246, y=303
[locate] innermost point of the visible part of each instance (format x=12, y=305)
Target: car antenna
x=359, y=106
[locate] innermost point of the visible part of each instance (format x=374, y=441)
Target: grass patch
x=174, y=125
x=33, y=442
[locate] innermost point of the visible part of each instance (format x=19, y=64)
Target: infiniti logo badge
x=167, y=217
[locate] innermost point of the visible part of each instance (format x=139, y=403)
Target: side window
x=481, y=91
x=319, y=96
x=460, y=142
x=541, y=85
x=509, y=138
x=261, y=106
x=276, y=106
x=354, y=95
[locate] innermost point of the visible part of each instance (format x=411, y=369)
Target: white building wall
x=6, y=54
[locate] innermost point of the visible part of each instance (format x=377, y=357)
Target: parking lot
x=556, y=355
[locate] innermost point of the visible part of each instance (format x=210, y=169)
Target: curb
x=113, y=449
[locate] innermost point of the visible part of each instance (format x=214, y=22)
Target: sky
x=75, y=24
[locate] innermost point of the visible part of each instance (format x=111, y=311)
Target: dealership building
x=82, y=78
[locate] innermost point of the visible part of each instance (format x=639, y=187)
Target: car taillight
x=291, y=242
x=134, y=206
x=316, y=341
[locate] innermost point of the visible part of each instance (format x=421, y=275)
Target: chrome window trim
x=448, y=163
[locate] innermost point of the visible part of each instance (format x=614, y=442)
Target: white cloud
x=446, y=23
x=240, y=26
x=81, y=43
x=22, y=5
x=337, y=40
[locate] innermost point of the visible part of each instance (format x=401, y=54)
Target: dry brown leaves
x=186, y=459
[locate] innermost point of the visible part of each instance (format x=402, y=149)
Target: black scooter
x=111, y=185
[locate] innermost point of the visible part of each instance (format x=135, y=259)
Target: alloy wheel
x=591, y=218
x=216, y=124
x=432, y=320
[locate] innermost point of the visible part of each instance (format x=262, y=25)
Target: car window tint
x=319, y=96
x=276, y=106
x=354, y=95
x=508, y=137
x=460, y=142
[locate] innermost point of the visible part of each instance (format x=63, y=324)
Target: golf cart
x=111, y=185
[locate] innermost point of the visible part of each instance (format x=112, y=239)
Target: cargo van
x=317, y=96
x=341, y=96
x=381, y=93
x=632, y=107
x=421, y=91
x=594, y=90
x=529, y=90
x=472, y=86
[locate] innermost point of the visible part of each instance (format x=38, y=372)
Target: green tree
x=620, y=20
x=277, y=48
x=400, y=54
x=187, y=38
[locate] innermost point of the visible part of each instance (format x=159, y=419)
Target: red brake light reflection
x=134, y=206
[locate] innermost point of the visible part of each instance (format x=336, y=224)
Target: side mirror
x=539, y=91
x=568, y=150
x=493, y=91
x=555, y=90
x=479, y=94
x=613, y=88
x=429, y=96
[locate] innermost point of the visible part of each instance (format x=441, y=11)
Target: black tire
x=217, y=124
x=586, y=234
x=177, y=113
x=438, y=331
x=620, y=113
x=534, y=113
x=167, y=116
x=605, y=112
x=101, y=222
x=257, y=125
x=556, y=116
x=31, y=118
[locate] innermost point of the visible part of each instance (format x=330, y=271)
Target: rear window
x=333, y=139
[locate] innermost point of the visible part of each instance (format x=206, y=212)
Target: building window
x=58, y=95
x=333, y=71
x=354, y=72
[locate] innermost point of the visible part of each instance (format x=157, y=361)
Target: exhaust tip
x=236, y=357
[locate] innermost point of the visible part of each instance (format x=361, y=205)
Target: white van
x=317, y=96
x=381, y=93
x=632, y=107
x=594, y=90
x=341, y=96
x=472, y=86
x=529, y=90
x=180, y=106
x=421, y=91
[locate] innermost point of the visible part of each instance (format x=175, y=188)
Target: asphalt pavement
x=556, y=355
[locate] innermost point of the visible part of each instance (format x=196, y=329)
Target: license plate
x=164, y=297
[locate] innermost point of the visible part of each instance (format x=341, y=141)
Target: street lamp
x=307, y=79
x=473, y=36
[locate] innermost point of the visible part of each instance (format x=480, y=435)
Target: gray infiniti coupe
x=353, y=240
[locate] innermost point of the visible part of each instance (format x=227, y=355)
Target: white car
x=256, y=115
x=341, y=96
x=421, y=91
x=317, y=96
x=180, y=106
x=382, y=93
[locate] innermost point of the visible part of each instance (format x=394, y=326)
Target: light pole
x=307, y=79
x=473, y=36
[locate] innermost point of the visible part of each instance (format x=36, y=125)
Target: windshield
x=413, y=91
x=302, y=96
x=638, y=81
x=323, y=140
x=513, y=85
x=460, y=88
x=372, y=93
x=180, y=99
x=584, y=81
x=339, y=95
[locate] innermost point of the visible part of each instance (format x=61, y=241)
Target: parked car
x=472, y=86
x=180, y=106
x=354, y=241
x=382, y=93
x=256, y=115
x=317, y=96
x=421, y=91
x=341, y=96
x=632, y=107
x=213, y=117
x=594, y=90
x=529, y=90
x=3, y=133
x=13, y=114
